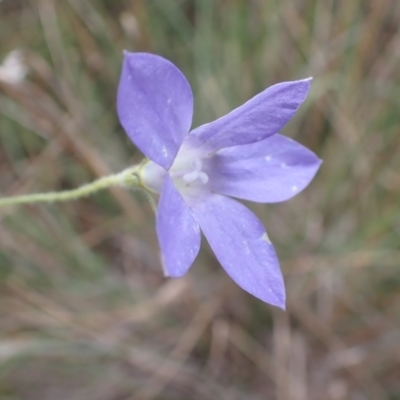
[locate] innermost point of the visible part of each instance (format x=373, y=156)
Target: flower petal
x=241, y=245
x=260, y=117
x=273, y=170
x=177, y=230
x=155, y=105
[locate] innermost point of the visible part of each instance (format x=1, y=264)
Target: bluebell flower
x=240, y=154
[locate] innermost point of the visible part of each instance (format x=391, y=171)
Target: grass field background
x=85, y=313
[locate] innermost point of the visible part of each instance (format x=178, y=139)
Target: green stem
x=127, y=177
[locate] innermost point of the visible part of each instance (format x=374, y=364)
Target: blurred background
x=85, y=313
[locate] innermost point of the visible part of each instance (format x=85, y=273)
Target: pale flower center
x=186, y=172
x=189, y=175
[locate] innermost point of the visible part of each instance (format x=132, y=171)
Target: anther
x=191, y=176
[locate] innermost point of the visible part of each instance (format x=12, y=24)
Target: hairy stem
x=127, y=177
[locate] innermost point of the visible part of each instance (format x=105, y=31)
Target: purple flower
x=240, y=154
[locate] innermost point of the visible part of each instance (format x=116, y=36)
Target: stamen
x=203, y=177
x=196, y=173
x=191, y=176
x=187, y=173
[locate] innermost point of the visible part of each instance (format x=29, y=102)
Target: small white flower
x=13, y=69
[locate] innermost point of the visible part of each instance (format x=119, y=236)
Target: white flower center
x=190, y=174
x=186, y=172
